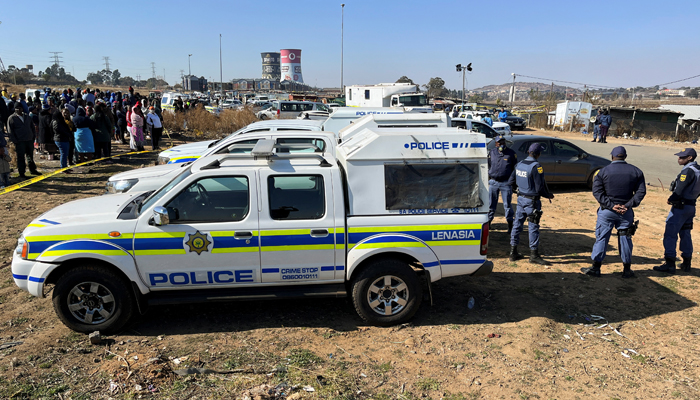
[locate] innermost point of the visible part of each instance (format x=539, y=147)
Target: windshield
x=413, y=100
x=164, y=190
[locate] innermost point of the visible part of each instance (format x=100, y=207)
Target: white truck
x=396, y=210
x=300, y=131
x=388, y=95
x=572, y=115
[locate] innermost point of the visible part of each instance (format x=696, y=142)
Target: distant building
x=255, y=84
x=671, y=92
x=194, y=83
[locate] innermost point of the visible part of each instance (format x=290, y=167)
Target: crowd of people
x=78, y=125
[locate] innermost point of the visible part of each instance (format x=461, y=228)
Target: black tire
x=109, y=314
x=398, y=273
x=263, y=117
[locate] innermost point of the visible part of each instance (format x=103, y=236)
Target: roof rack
x=265, y=148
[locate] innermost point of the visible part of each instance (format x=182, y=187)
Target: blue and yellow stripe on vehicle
x=426, y=233
x=295, y=240
x=159, y=244
x=183, y=159
x=225, y=242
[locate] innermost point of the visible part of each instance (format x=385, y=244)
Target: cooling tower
x=290, y=61
x=271, y=65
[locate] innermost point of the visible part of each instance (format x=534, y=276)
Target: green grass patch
x=428, y=384
x=303, y=358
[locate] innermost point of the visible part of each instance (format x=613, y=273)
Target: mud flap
x=485, y=269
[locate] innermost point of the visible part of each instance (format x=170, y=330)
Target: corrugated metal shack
x=644, y=122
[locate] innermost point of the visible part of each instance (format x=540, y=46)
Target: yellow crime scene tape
x=39, y=178
x=50, y=174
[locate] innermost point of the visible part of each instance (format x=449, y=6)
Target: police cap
x=687, y=152
x=535, y=148
x=619, y=151
x=500, y=137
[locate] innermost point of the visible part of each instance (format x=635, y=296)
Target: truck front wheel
x=93, y=298
x=387, y=292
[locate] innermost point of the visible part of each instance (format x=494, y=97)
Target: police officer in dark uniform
x=528, y=176
x=686, y=189
x=618, y=187
x=502, y=162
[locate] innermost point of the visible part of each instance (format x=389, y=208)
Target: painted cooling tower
x=291, y=65
x=271, y=65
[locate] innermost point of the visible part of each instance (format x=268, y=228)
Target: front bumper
x=30, y=275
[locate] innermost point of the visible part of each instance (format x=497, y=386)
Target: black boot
x=685, y=265
x=593, y=270
x=627, y=271
x=510, y=227
x=536, y=259
x=514, y=255
x=669, y=266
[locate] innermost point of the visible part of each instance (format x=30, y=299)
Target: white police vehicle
x=283, y=131
x=395, y=210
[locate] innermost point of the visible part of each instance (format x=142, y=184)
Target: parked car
x=516, y=123
x=292, y=109
x=563, y=161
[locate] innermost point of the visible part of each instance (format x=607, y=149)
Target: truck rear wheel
x=93, y=298
x=387, y=292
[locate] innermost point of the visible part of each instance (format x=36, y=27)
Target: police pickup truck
x=393, y=211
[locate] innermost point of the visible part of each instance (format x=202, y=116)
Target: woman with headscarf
x=137, y=120
x=84, y=144
x=61, y=136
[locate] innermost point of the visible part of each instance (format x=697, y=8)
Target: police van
x=394, y=211
x=287, y=131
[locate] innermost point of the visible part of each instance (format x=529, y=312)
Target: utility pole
x=189, y=65
x=221, y=69
x=463, y=70
x=138, y=79
x=512, y=92
x=56, y=57
x=106, y=63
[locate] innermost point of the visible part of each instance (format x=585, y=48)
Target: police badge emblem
x=198, y=243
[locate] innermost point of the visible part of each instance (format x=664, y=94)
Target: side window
x=544, y=143
x=219, y=199
x=366, y=94
x=306, y=107
x=240, y=147
x=296, y=197
x=286, y=107
x=302, y=145
x=565, y=150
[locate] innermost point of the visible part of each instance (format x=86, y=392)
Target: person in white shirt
x=155, y=126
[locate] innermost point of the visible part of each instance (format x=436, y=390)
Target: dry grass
x=206, y=125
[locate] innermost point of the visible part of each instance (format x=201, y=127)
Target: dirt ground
x=534, y=333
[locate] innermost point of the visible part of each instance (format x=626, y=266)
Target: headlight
x=162, y=160
x=22, y=247
x=121, y=186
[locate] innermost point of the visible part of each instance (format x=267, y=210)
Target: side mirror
x=160, y=216
x=583, y=155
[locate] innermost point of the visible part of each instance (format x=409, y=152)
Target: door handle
x=319, y=232
x=243, y=235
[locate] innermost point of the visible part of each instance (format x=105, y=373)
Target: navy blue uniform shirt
x=501, y=165
x=687, y=183
x=619, y=183
x=529, y=177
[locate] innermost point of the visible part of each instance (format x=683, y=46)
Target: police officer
x=618, y=187
x=528, y=176
x=686, y=189
x=502, y=162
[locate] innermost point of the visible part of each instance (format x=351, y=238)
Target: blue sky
x=613, y=43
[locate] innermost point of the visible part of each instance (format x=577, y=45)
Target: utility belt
x=499, y=180
x=535, y=198
x=680, y=204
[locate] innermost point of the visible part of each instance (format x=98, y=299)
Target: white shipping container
x=569, y=110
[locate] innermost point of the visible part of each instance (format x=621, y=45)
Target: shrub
x=206, y=125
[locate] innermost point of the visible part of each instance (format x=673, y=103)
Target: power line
x=560, y=81
x=680, y=80
x=106, y=63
